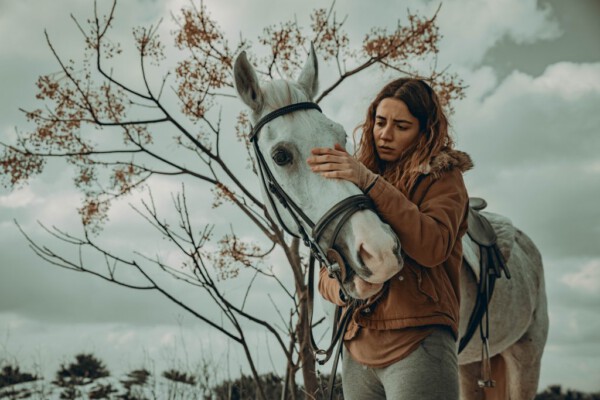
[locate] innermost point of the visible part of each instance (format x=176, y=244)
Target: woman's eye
x=281, y=157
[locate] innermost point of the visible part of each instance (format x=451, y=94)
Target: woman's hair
x=424, y=105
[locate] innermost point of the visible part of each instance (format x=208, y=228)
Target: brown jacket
x=429, y=225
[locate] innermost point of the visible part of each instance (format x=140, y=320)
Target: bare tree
x=82, y=101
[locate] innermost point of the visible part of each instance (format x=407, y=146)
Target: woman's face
x=394, y=130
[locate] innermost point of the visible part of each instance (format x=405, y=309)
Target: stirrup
x=486, y=380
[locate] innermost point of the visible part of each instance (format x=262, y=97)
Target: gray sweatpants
x=429, y=373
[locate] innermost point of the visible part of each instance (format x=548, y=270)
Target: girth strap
x=492, y=265
x=485, y=291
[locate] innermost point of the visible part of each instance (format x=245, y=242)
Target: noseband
x=342, y=211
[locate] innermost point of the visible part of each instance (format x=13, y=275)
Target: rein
x=327, y=256
x=340, y=323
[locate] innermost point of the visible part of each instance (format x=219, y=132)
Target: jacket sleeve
x=329, y=288
x=427, y=232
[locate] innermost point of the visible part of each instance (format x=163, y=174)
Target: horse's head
x=368, y=246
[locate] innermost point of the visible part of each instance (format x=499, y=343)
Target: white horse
x=518, y=311
x=369, y=246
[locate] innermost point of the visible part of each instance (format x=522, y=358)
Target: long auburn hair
x=423, y=103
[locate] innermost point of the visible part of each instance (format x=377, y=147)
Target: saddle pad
x=505, y=238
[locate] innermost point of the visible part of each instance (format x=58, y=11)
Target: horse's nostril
x=363, y=253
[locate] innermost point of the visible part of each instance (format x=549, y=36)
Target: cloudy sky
x=530, y=121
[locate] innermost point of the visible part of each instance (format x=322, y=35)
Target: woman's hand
x=337, y=163
x=363, y=289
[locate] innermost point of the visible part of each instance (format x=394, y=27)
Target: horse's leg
x=523, y=359
x=523, y=367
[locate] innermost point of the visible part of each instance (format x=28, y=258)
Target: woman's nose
x=386, y=133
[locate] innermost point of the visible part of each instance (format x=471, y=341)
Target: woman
x=401, y=344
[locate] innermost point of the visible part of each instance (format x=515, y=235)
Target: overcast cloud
x=530, y=122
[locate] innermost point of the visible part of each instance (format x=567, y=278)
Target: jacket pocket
x=424, y=282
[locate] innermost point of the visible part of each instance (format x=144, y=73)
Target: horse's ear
x=246, y=83
x=309, y=77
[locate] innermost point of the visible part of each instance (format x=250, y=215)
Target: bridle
x=343, y=210
x=327, y=256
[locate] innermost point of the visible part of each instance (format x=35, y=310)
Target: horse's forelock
x=281, y=93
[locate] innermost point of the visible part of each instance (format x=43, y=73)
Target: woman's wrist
x=371, y=183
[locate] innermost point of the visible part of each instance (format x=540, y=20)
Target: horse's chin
x=360, y=289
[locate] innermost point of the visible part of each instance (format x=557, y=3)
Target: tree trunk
x=303, y=328
x=307, y=358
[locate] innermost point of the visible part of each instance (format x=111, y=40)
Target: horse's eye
x=281, y=157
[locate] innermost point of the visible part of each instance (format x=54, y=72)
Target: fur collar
x=446, y=160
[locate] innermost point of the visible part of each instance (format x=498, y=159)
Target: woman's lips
x=385, y=149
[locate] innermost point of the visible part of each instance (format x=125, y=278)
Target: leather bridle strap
x=300, y=218
x=352, y=204
x=271, y=185
x=272, y=188
x=306, y=105
x=343, y=209
x=487, y=282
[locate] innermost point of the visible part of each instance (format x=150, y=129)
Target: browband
x=307, y=105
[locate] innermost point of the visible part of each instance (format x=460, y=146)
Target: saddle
x=492, y=262
x=487, y=230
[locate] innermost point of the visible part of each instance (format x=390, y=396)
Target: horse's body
x=518, y=311
x=518, y=317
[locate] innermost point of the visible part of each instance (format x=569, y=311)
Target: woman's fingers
x=330, y=167
x=333, y=163
x=341, y=148
x=315, y=160
x=338, y=174
x=327, y=150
